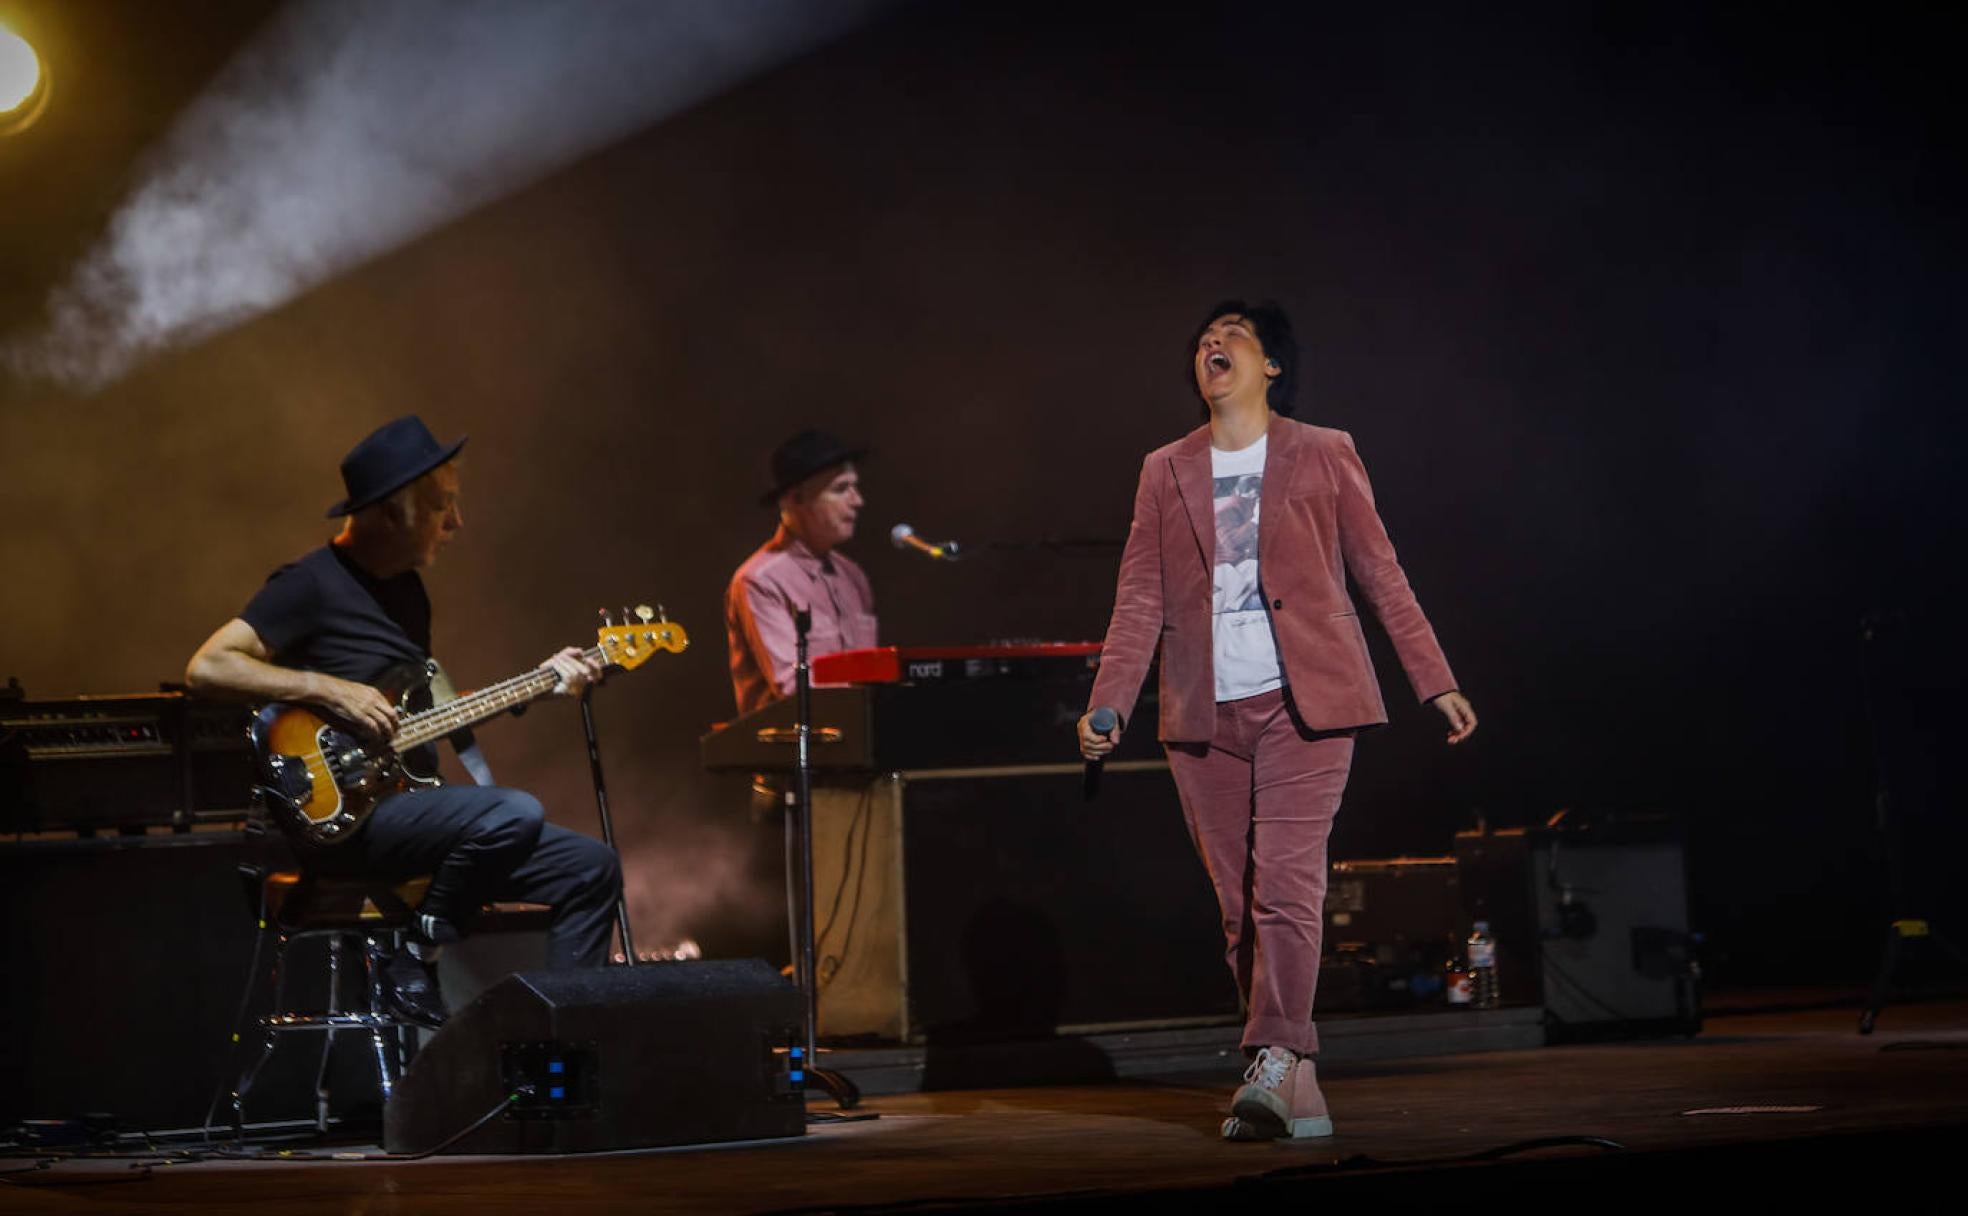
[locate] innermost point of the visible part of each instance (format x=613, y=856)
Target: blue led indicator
x=798, y=1052
x=557, y=1092
x=798, y=1076
x=556, y=1066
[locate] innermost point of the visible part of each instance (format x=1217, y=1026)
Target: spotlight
x=24, y=84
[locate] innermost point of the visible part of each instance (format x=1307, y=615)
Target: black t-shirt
x=324, y=613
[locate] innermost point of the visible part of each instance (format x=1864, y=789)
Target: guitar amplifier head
x=121, y=763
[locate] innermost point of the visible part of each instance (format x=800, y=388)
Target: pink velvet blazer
x=1316, y=523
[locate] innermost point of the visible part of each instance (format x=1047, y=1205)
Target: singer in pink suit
x=1235, y=570
x=817, y=492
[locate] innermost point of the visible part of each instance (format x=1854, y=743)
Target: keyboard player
x=816, y=490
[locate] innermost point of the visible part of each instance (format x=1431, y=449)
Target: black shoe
x=410, y=990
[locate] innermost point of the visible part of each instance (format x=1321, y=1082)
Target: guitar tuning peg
x=644, y=613
x=662, y=614
x=607, y=622
x=627, y=616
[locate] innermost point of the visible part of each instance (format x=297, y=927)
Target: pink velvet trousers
x=1260, y=798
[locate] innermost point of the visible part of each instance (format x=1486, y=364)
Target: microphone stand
x=1908, y=930
x=806, y=1070
x=607, y=824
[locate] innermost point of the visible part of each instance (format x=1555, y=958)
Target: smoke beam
x=349, y=127
x=678, y=883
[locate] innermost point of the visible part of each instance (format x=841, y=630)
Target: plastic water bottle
x=1483, y=966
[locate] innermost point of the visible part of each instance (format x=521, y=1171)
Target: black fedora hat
x=394, y=455
x=802, y=456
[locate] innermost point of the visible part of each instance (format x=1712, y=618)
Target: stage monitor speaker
x=1591, y=922
x=609, y=1058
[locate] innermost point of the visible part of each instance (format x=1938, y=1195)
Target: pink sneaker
x=1279, y=1099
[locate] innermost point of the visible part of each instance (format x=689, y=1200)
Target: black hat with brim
x=802, y=456
x=394, y=455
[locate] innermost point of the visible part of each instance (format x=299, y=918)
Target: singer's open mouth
x=1217, y=361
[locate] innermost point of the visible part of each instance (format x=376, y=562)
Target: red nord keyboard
x=935, y=664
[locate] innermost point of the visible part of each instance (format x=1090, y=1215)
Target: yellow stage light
x=23, y=83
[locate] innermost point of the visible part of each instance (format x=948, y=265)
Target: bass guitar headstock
x=629, y=644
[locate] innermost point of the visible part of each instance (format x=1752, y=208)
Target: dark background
x=1645, y=319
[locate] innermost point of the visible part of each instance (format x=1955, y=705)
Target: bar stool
x=363, y=920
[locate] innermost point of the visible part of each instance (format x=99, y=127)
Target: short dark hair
x=1274, y=334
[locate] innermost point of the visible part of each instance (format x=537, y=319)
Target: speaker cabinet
x=121, y=961
x=608, y=1058
x=997, y=903
x=1590, y=922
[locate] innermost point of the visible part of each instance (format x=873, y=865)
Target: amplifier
x=1399, y=900
x=1591, y=922
x=1390, y=933
x=86, y=764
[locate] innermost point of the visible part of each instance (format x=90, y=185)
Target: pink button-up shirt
x=778, y=580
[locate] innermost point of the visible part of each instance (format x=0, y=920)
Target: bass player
x=325, y=630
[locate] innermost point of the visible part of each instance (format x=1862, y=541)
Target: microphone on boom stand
x=902, y=536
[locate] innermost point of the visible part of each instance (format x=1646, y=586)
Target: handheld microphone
x=1103, y=721
x=902, y=536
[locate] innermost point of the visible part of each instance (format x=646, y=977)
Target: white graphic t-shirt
x=1246, y=652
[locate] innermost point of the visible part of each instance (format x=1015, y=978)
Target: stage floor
x=1788, y=1101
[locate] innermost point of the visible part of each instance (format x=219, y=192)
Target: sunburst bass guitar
x=322, y=778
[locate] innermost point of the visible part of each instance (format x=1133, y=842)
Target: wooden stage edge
x=1100, y=1055
x=1759, y=1108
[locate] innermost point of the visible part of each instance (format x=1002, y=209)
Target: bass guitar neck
x=322, y=779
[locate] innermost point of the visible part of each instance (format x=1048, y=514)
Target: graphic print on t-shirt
x=1246, y=655
x=1236, y=501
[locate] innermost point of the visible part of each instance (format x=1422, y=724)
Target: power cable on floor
x=1497, y=1153
x=159, y=1156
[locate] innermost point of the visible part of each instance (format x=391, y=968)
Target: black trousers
x=485, y=843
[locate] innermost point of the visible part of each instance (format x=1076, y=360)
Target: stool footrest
x=328, y=1021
